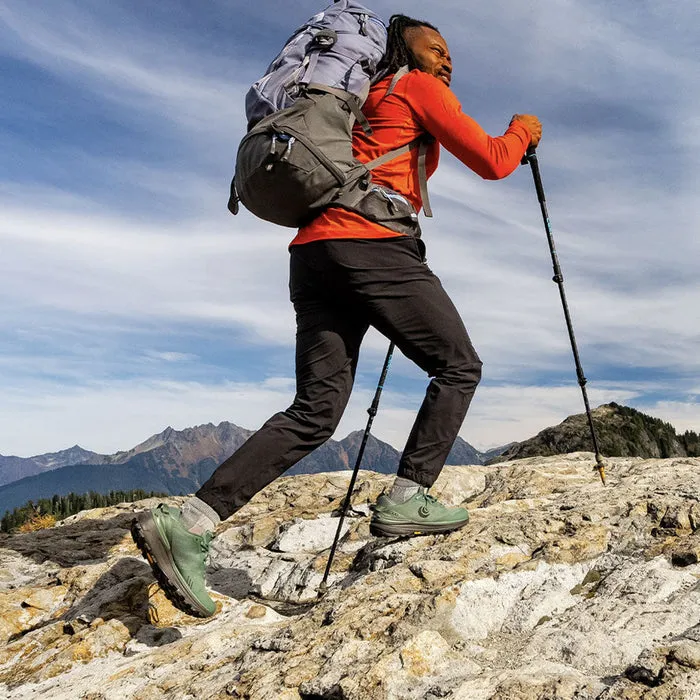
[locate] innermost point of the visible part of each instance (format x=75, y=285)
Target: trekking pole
x=372, y=410
x=531, y=158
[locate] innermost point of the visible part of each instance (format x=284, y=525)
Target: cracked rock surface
x=557, y=588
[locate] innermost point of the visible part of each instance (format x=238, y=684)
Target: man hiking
x=346, y=274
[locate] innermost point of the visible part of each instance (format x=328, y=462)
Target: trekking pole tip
x=601, y=470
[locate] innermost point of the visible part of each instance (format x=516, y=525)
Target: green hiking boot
x=178, y=558
x=421, y=514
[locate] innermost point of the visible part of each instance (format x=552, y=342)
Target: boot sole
x=146, y=536
x=379, y=529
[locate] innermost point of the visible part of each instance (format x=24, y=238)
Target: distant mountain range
x=180, y=462
x=14, y=468
x=621, y=432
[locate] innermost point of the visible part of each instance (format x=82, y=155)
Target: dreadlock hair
x=397, y=52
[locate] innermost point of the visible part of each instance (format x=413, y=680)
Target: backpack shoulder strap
x=397, y=76
x=395, y=153
x=423, y=174
x=421, y=143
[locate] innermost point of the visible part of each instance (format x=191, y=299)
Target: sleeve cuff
x=520, y=129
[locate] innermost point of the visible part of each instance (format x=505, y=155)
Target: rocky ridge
x=557, y=588
x=621, y=431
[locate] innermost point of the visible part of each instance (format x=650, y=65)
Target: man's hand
x=533, y=124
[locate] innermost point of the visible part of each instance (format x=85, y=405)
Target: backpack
x=296, y=158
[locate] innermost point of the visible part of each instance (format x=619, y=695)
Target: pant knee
x=466, y=372
x=316, y=421
x=474, y=370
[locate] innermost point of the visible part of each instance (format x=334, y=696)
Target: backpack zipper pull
x=363, y=24
x=288, y=150
x=390, y=202
x=273, y=148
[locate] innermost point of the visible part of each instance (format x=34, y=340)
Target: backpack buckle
x=325, y=39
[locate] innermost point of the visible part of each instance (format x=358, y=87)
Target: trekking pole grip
x=531, y=158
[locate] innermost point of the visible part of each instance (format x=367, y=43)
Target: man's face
x=430, y=51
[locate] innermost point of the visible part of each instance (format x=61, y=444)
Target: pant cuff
x=220, y=508
x=419, y=477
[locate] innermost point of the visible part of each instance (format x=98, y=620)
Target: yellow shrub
x=38, y=522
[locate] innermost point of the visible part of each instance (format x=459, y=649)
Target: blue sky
x=131, y=300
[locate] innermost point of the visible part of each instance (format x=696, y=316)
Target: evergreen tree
x=63, y=506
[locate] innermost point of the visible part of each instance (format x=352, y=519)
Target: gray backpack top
x=339, y=47
x=297, y=157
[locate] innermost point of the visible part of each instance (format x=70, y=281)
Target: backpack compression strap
x=350, y=100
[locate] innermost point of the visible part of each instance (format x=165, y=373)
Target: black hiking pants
x=339, y=288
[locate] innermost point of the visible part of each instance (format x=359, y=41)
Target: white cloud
x=681, y=415
x=496, y=264
x=108, y=416
x=91, y=263
x=170, y=356
x=134, y=68
x=134, y=241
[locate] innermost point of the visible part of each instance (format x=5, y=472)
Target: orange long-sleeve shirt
x=419, y=103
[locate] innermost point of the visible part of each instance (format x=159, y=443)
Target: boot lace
x=430, y=500
x=205, y=541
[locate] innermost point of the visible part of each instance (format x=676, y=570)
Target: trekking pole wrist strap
x=530, y=153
